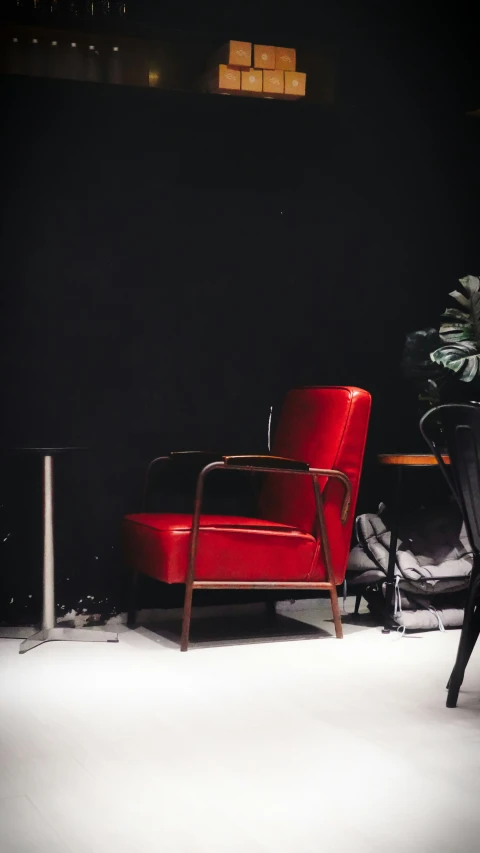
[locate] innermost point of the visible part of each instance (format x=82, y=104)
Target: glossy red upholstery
x=229, y=548
x=326, y=427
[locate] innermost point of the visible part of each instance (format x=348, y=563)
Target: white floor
x=296, y=746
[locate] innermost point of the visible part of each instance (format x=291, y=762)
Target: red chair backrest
x=326, y=427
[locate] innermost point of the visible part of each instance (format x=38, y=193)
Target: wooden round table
x=400, y=461
x=419, y=460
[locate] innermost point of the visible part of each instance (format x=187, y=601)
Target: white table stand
x=49, y=630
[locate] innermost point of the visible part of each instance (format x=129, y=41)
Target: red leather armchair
x=301, y=537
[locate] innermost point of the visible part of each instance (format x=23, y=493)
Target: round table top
x=416, y=459
x=43, y=451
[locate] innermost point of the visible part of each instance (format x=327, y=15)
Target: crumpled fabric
x=433, y=558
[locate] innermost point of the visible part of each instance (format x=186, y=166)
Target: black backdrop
x=172, y=264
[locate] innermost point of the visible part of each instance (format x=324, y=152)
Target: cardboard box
x=273, y=82
x=223, y=79
x=238, y=54
x=295, y=83
x=252, y=80
x=286, y=58
x=263, y=56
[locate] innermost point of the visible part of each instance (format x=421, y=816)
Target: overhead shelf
x=175, y=62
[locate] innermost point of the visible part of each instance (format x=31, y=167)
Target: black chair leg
x=470, y=641
x=392, y=557
x=132, y=601
x=358, y=601
x=468, y=638
x=469, y=647
x=270, y=608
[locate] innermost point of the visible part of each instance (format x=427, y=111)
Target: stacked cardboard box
x=273, y=73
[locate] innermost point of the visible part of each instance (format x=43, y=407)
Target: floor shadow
x=225, y=631
x=360, y=620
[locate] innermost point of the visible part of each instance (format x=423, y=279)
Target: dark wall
x=172, y=264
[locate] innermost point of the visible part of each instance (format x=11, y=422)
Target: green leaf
x=455, y=294
x=463, y=324
x=462, y=358
x=475, y=316
x=471, y=283
x=461, y=330
x=456, y=314
x=453, y=334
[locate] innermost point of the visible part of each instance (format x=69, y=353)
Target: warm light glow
x=91, y=47
x=116, y=49
x=34, y=41
x=54, y=43
x=153, y=77
x=15, y=40
x=74, y=43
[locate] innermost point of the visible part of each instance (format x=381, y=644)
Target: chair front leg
x=337, y=619
x=470, y=642
x=468, y=637
x=325, y=545
x=190, y=579
x=187, y=617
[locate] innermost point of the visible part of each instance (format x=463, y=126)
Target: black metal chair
x=457, y=427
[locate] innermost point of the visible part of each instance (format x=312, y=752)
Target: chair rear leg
x=468, y=638
x=358, y=601
x=270, y=607
x=337, y=620
x=132, y=601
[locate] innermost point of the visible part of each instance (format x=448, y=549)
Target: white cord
x=269, y=429
x=397, y=598
x=441, y=626
x=397, y=608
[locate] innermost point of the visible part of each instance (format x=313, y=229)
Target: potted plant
x=444, y=364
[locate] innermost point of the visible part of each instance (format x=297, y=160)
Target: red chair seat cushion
x=230, y=548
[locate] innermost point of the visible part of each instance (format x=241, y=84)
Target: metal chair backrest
x=457, y=426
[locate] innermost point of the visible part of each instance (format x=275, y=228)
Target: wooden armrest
x=278, y=462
